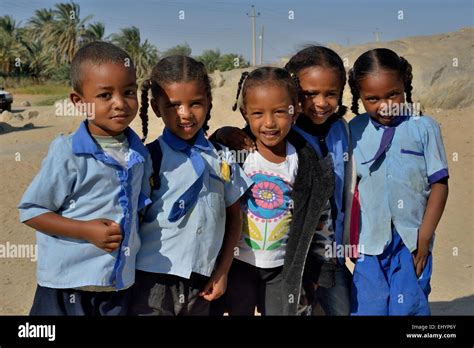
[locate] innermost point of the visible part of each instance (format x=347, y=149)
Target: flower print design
x=269, y=196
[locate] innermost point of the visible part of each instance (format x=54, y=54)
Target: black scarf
x=319, y=130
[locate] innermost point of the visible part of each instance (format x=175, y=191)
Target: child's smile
x=270, y=134
x=120, y=117
x=112, y=90
x=270, y=116
x=321, y=93
x=183, y=107
x=188, y=128
x=380, y=89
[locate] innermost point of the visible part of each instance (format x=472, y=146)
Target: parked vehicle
x=6, y=100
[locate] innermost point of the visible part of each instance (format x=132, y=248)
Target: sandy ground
x=22, y=150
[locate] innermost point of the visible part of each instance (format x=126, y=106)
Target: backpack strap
x=156, y=154
x=216, y=144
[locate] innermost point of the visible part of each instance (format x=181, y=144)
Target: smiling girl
x=292, y=185
x=191, y=228
x=403, y=187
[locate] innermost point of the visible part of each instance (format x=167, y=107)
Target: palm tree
x=183, y=50
x=10, y=47
x=210, y=58
x=66, y=30
x=231, y=61
x=144, y=55
x=38, y=60
x=95, y=32
x=41, y=23
x=8, y=24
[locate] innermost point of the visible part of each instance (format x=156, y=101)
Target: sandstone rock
x=217, y=79
x=18, y=117
x=32, y=114
x=5, y=116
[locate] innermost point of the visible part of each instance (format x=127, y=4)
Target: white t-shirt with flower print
x=267, y=209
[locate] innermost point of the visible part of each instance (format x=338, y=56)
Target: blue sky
x=211, y=24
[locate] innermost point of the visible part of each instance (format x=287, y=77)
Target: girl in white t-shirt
x=283, y=191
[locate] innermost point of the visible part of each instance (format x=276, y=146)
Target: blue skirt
x=387, y=284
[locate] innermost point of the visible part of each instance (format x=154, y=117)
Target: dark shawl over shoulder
x=314, y=185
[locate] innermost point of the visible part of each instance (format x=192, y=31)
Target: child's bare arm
x=434, y=211
x=105, y=234
x=233, y=227
x=235, y=138
x=217, y=284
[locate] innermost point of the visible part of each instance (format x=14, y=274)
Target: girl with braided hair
x=189, y=231
x=320, y=78
x=292, y=186
x=402, y=176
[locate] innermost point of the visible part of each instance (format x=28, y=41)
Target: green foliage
x=213, y=60
x=183, y=50
x=95, y=32
x=232, y=61
x=50, y=100
x=143, y=54
x=62, y=73
x=42, y=49
x=42, y=89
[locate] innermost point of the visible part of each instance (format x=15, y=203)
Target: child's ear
x=155, y=107
x=243, y=112
x=76, y=99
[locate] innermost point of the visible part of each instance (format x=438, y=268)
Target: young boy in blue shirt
x=84, y=201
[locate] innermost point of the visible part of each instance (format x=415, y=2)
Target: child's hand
x=103, y=233
x=235, y=138
x=215, y=287
x=420, y=257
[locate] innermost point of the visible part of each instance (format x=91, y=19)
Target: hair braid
x=244, y=75
x=207, y=85
x=146, y=85
x=354, y=92
x=407, y=79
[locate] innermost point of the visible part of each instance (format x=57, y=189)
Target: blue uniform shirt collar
x=179, y=144
x=397, y=120
x=82, y=141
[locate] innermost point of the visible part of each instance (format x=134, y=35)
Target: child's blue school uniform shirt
x=192, y=243
x=338, y=146
x=77, y=180
x=396, y=189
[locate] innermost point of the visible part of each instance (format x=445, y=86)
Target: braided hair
x=319, y=56
x=168, y=70
x=243, y=77
x=379, y=58
x=263, y=76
